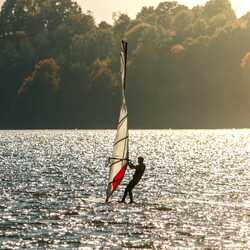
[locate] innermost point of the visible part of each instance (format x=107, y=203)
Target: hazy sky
x=103, y=9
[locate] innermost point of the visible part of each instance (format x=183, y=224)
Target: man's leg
x=127, y=189
x=131, y=196
x=131, y=186
x=125, y=194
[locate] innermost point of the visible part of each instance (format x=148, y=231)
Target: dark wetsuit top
x=139, y=170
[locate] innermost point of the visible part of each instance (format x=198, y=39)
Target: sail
x=119, y=161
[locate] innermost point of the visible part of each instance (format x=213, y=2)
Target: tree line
x=187, y=68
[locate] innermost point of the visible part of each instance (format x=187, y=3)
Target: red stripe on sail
x=118, y=178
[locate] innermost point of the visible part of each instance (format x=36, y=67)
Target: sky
x=104, y=9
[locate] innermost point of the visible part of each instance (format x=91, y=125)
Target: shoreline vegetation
x=187, y=68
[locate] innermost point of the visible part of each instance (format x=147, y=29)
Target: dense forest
x=187, y=68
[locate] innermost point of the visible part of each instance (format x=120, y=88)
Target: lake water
x=195, y=193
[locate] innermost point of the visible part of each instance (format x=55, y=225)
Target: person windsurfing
x=139, y=171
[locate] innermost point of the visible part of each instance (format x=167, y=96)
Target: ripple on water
x=195, y=192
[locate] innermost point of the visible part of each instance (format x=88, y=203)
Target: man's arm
x=131, y=165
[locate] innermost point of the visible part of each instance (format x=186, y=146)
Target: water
x=195, y=193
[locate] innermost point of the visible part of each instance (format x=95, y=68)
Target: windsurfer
x=139, y=171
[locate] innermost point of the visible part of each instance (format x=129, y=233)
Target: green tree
x=44, y=79
x=121, y=25
x=182, y=23
x=217, y=7
x=245, y=66
x=186, y=67
x=38, y=94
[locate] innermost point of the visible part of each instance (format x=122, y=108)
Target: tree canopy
x=188, y=68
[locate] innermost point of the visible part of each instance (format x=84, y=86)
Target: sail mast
x=119, y=161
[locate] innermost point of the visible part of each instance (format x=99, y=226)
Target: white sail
x=119, y=161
